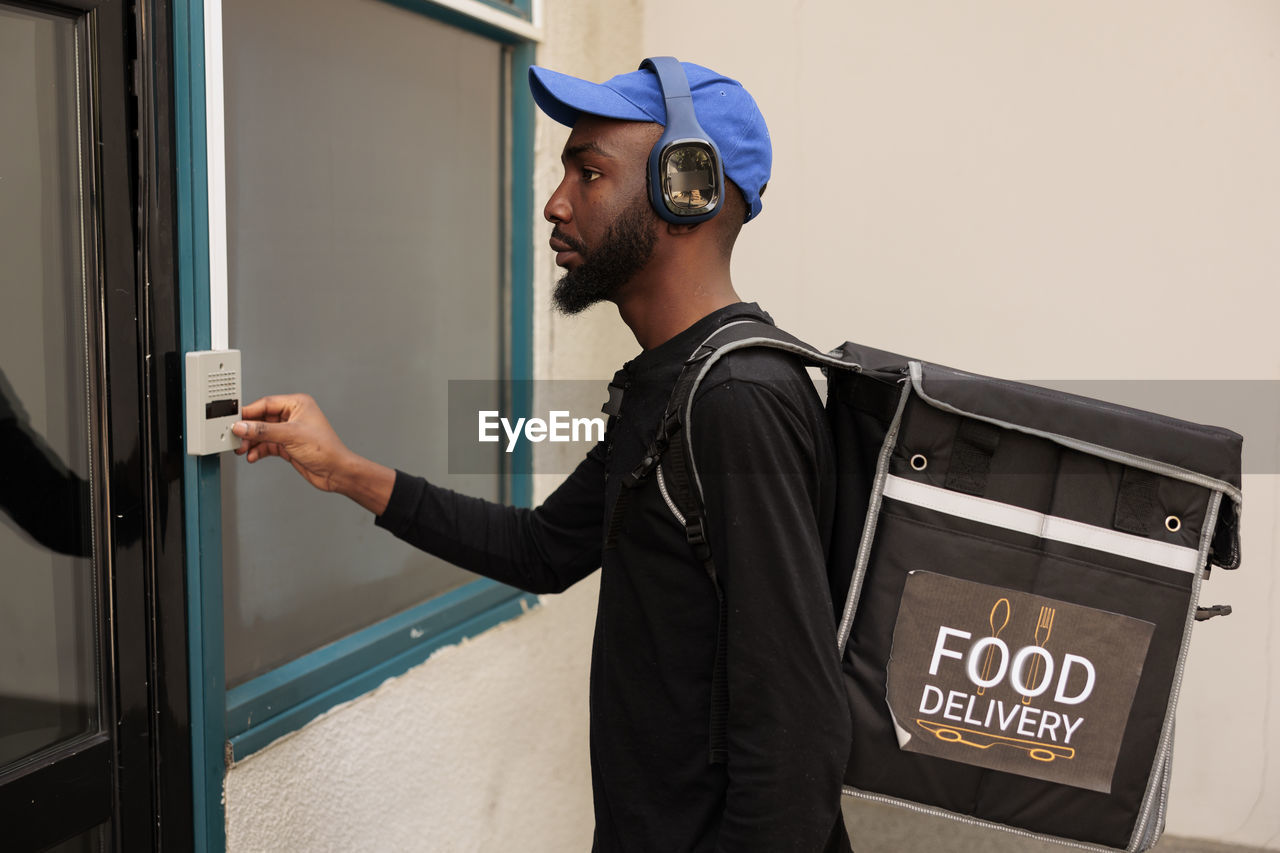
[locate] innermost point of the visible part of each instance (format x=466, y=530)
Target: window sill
x=284, y=700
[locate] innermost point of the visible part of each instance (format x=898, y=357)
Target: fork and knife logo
x=1001, y=612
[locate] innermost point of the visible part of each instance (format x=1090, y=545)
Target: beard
x=624, y=251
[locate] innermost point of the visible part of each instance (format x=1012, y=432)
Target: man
x=763, y=449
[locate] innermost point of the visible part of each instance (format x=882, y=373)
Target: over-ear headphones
x=686, y=178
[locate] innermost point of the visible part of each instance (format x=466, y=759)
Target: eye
x=589, y=175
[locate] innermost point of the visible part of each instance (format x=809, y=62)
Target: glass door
x=79, y=666
x=51, y=551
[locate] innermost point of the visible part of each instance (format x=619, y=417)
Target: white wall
x=1076, y=189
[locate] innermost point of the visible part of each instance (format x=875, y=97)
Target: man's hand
x=292, y=427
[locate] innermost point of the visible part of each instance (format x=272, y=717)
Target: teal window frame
x=228, y=725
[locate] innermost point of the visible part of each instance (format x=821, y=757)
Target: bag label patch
x=1012, y=681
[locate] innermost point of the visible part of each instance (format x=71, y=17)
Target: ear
x=678, y=229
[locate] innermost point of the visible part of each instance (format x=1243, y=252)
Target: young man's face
x=605, y=229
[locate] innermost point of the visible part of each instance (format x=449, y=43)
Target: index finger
x=274, y=406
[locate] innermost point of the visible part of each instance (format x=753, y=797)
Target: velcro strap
x=975, y=443
x=1136, y=501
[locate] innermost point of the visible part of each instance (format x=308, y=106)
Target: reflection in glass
x=47, y=611
x=690, y=179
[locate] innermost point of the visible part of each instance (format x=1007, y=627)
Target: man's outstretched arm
x=541, y=550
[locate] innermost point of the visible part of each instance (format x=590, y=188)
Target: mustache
x=576, y=245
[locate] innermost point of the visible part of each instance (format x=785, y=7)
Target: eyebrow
x=590, y=146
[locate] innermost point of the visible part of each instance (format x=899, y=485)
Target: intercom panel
x=213, y=400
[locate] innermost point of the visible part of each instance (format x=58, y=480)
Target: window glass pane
x=48, y=622
x=88, y=842
x=364, y=201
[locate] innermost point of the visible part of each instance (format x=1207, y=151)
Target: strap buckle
x=651, y=457
x=696, y=535
x=1203, y=613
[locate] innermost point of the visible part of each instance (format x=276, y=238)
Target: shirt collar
x=681, y=346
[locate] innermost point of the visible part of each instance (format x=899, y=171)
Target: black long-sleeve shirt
x=762, y=446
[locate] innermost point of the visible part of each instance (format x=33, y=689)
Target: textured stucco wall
x=1076, y=189
x=484, y=746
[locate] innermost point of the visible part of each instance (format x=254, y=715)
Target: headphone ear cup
x=686, y=179
x=655, y=196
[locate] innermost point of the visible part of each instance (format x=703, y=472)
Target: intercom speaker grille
x=222, y=385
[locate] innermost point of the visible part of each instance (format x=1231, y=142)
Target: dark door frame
x=136, y=770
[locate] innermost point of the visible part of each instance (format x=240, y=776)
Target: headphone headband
x=671, y=77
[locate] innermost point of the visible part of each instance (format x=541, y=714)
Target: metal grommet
x=1173, y=523
x=918, y=462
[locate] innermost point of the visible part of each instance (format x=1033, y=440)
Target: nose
x=557, y=209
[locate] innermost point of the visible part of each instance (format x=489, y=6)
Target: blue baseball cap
x=726, y=111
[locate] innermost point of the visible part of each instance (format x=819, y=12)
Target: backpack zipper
x=666, y=496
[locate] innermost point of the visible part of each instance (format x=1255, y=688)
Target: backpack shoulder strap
x=730, y=338
x=685, y=496
x=670, y=453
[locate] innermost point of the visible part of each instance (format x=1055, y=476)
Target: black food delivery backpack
x=1019, y=569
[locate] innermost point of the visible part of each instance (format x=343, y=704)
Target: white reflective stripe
x=1023, y=520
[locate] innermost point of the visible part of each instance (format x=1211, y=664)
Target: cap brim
x=565, y=98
